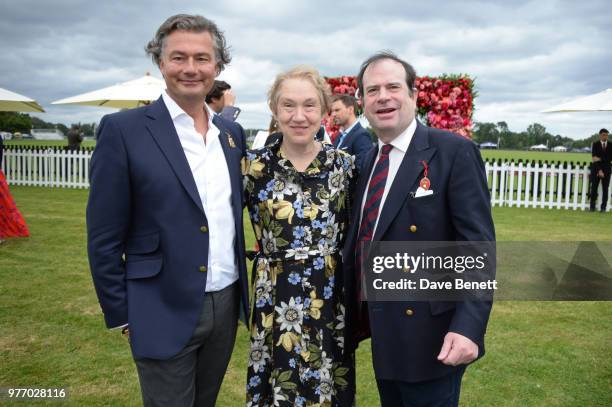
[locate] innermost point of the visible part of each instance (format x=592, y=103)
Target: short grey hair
x=192, y=23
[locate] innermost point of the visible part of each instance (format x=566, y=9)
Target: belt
x=299, y=253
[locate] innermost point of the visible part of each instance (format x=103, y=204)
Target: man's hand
x=228, y=98
x=457, y=350
x=600, y=173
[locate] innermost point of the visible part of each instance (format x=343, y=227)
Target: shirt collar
x=402, y=141
x=347, y=131
x=176, y=111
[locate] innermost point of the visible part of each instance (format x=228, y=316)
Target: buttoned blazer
x=407, y=336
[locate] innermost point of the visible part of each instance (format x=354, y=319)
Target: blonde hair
x=304, y=72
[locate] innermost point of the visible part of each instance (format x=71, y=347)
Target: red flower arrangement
x=343, y=85
x=445, y=102
x=340, y=85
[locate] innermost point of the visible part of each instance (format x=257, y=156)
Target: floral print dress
x=296, y=354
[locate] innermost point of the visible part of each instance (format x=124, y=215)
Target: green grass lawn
x=53, y=335
x=549, y=156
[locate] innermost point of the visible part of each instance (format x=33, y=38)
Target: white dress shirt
x=212, y=179
x=396, y=155
x=344, y=132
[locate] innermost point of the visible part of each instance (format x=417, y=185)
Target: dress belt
x=300, y=253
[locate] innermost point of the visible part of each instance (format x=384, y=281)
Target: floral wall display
x=339, y=85
x=445, y=102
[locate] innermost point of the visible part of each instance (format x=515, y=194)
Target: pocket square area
x=420, y=192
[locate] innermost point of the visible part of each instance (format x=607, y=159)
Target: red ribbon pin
x=425, y=181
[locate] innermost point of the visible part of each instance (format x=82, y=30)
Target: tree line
x=534, y=134
x=483, y=132
x=23, y=123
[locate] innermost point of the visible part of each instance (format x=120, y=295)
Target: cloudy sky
x=525, y=55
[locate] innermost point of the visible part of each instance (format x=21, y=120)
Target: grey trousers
x=193, y=377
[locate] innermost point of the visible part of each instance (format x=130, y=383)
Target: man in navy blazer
x=353, y=138
x=419, y=349
x=601, y=154
x=221, y=100
x=164, y=222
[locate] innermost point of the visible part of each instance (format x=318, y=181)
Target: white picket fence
x=534, y=185
x=47, y=168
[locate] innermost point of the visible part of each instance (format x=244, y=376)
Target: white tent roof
x=539, y=147
x=14, y=102
x=601, y=101
x=134, y=93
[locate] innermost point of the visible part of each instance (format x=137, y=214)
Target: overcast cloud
x=525, y=55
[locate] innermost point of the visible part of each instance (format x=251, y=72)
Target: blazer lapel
x=233, y=154
x=163, y=131
x=348, y=139
x=408, y=172
x=337, y=140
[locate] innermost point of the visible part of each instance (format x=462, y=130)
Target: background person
x=221, y=100
x=297, y=193
x=353, y=138
x=12, y=223
x=601, y=156
x=75, y=137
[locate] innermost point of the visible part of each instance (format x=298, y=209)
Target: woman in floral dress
x=297, y=193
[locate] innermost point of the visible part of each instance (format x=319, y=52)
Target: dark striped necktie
x=376, y=188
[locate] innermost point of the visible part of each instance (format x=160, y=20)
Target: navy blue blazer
x=230, y=113
x=605, y=156
x=405, y=347
x=357, y=142
x=145, y=228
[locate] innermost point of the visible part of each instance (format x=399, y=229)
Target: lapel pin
x=425, y=184
x=230, y=140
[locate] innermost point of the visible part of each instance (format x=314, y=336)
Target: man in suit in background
x=75, y=138
x=221, y=100
x=419, y=349
x=164, y=222
x=353, y=138
x=601, y=155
